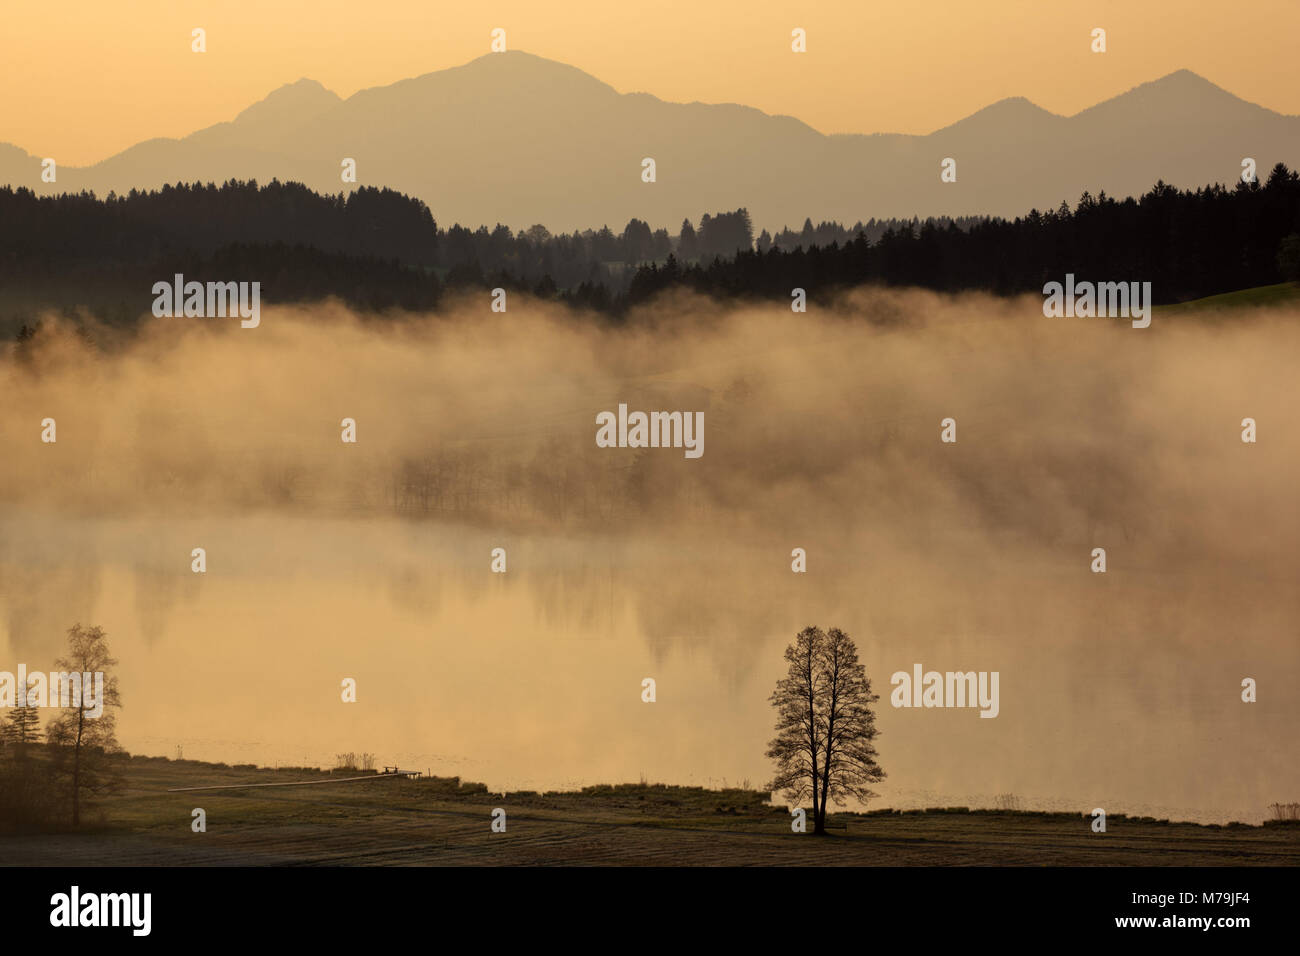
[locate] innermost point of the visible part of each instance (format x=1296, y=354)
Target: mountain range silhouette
x=519, y=139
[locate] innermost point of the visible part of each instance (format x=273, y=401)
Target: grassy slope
x=440, y=822
x=1260, y=296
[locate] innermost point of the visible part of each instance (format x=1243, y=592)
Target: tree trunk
x=76, y=772
x=826, y=792
x=812, y=752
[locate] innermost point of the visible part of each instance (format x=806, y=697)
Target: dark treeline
x=825, y=233
x=80, y=230
x=377, y=249
x=374, y=248
x=52, y=234
x=1187, y=243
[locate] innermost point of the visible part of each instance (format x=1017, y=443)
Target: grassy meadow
x=446, y=822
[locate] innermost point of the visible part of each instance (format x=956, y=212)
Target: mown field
x=399, y=822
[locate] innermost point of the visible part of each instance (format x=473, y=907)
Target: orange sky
x=84, y=79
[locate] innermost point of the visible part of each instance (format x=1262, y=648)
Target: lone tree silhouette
x=824, y=725
x=82, y=744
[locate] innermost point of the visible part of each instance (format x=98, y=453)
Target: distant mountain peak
x=1016, y=106
x=300, y=98
x=1181, y=83
x=1014, y=111
x=1181, y=92
x=519, y=58
x=303, y=83
x=1184, y=76
x=500, y=75
x=521, y=64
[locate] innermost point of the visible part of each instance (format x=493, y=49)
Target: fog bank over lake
x=475, y=431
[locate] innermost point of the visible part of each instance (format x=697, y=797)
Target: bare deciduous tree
x=825, y=726
x=80, y=742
